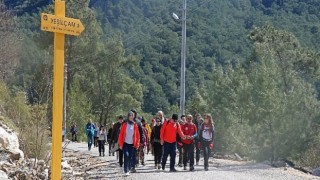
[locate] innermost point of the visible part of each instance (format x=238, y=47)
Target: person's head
x=143, y=121
x=134, y=112
x=90, y=121
x=160, y=114
x=208, y=119
x=158, y=122
x=183, y=118
x=175, y=117
x=198, y=117
x=130, y=116
x=120, y=119
x=102, y=128
x=189, y=118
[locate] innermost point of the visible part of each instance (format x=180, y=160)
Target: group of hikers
x=132, y=137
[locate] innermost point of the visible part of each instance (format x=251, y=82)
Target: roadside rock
x=316, y=172
x=3, y=175
x=9, y=141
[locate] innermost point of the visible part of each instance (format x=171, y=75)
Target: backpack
x=145, y=136
x=89, y=129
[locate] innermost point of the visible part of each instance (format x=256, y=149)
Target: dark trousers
x=129, y=157
x=180, y=154
x=197, y=152
x=96, y=141
x=169, y=148
x=74, y=137
x=188, y=154
x=158, y=149
x=110, y=147
x=101, y=146
x=120, y=157
x=206, y=152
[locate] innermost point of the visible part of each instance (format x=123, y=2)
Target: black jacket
x=115, y=132
x=198, y=125
x=155, y=134
x=140, y=131
x=109, y=135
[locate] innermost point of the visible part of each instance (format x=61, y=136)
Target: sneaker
x=180, y=165
x=173, y=170
x=191, y=168
x=185, y=168
x=127, y=174
x=133, y=170
x=206, y=169
x=159, y=166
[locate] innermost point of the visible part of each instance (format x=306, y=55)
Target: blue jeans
x=90, y=141
x=129, y=153
x=169, y=148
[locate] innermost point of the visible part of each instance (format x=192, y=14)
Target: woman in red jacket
x=129, y=141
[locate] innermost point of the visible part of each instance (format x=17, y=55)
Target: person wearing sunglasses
x=157, y=147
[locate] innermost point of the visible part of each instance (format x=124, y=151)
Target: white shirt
x=206, y=134
x=129, y=134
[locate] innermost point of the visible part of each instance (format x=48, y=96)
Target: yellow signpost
x=63, y=25
x=60, y=25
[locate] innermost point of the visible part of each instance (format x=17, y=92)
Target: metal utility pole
x=65, y=101
x=183, y=59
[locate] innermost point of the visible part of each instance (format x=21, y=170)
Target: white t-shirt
x=206, y=133
x=129, y=134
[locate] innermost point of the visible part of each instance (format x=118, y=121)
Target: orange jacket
x=136, y=135
x=189, y=130
x=169, y=130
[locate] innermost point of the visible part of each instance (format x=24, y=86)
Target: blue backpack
x=89, y=129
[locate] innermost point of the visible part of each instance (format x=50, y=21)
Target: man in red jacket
x=168, y=138
x=190, y=131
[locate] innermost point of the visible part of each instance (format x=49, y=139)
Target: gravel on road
x=220, y=169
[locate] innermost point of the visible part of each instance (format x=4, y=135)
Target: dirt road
x=90, y=166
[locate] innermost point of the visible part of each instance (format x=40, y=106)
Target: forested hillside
x=254, y=64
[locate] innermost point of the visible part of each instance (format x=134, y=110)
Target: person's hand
x=120, y=147
x=161, y=142
x=211, y=146
x=184, y=137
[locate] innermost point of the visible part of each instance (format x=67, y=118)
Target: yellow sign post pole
x=60, y=25
x=58, y=79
